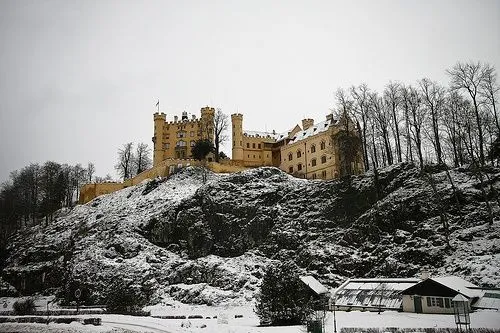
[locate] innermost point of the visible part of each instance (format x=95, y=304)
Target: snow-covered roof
x=260, y=134
x=313, y=130
x=458, y=284
x=489, y=300
x=314, y=284
x=373, y=292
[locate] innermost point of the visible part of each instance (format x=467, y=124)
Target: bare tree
x=470, y=77
x=221, y=123
x=393, y=99
x=381, y=118
x=405, y=102
x=90, y=171
x=433, y=96
x=361, y=110
x=125, y=161
x=489, y=91
x=453, y=113
x=142, y=160
x=417, y=118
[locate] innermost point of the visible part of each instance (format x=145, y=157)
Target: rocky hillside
x=209, y=243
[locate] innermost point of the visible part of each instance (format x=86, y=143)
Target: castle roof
x=313, y=130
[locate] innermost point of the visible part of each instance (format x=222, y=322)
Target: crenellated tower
x=207, y=123
x=159, y=122
x=237, y=122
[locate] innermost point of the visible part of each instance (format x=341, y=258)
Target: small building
x=319, y=292
x=435, y=295
x=372, y=294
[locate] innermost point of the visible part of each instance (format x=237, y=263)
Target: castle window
x=323, y=159
x=290, y=169
x=181, y=143
x=290, y=156
x=253, y=145
x=313, y=162
x=323, y=174
x=322, y=146
x=299, y=167
x=191, y=134
x=313, y=176
x=253, y=156
x=181, y=134
x=313, y=148
x=299, y=153
x=248, y=145
x=192, y=143
x=166, y=145
x=259, y=145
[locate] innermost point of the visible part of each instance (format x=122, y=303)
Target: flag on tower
x=158, y=105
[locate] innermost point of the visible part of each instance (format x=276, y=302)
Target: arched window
x=313, y=148
x=323, y=174
x=299, y=153
x=290, y=156
x=181, y=143
x=290, y=169
x=299, y=167
x=322, y=145
x=313, y=162
x=323, y=159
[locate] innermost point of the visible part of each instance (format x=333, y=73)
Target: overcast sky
x=80, y=78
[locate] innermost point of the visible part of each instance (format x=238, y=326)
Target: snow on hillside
x=179, y=239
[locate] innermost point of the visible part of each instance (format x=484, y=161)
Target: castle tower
x=159, y=120
x=207, y=123
x=237, y=121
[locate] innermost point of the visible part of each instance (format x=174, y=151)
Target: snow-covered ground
x=249, y=322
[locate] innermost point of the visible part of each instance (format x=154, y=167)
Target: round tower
x=237, y=122
x=159, y=120
x=207, y=123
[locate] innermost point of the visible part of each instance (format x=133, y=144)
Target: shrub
x=25, y=307
x=282, y=299
x=125, y=298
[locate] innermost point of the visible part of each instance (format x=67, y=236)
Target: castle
x=306, y=152
x=309, y=152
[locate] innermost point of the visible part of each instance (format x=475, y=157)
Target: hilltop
x=208, y=243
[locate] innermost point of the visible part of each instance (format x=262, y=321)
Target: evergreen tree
x=282, y=299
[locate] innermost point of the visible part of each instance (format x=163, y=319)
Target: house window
x=323, y=159
x=435, y=301
x=299, y=167
x=299, y=153
x=290, y=156
x=323, y=174
x=313, y=162
x=290, y=169
x=322, y=145
x=313, y=148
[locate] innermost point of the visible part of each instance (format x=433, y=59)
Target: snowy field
x=249, y=322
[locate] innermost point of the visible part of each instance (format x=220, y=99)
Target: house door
x=417, y=300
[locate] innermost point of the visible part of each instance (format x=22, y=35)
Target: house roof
x=313, y=130
x=489, y=300
x=314, y=284
x=374, y=292
x=447, y=286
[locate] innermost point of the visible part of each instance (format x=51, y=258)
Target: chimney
x=306, y=123
x=176, y=118
x=424, y=275
x=184, y=115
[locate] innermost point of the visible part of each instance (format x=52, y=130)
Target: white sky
x=80, y=78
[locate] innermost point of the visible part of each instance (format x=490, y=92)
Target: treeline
x=427, y=122
x=35, y=192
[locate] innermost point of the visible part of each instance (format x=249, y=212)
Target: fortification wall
x=90, y=191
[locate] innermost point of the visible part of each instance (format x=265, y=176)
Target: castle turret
x=159, y=120
x=306, y=123
x=237, y=122
x=207, y=123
